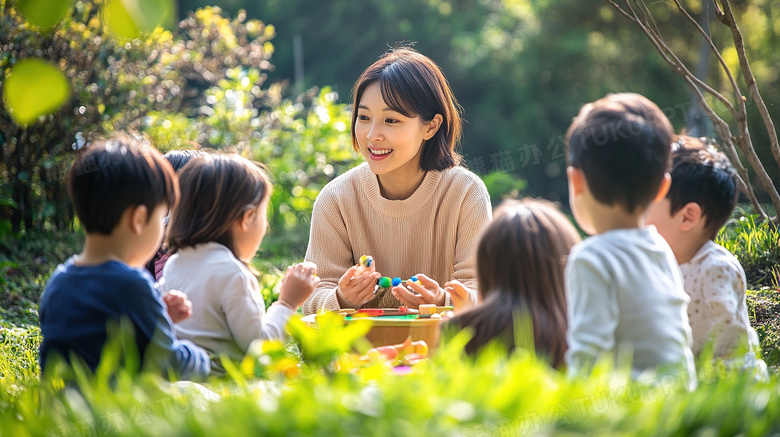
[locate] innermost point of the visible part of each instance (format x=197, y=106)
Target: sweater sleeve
x=592, y=313
x=330, y=249
x=165, y=351
x=245, y=313
x=475, y=215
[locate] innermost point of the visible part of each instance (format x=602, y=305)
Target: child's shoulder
x=712, y=256
x=220, y=260
x=623, y=243
x=93, y=281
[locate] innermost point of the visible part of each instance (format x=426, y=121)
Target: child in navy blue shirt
x=121, y=192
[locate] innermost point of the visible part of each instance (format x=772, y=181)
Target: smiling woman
x=410, y=205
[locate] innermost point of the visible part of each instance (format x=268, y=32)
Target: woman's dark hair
x=413, y=85
x=520, y=263
x=216, y=190
x=180, y=158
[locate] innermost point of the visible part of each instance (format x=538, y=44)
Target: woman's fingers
x=426, y=294
x=405, y=296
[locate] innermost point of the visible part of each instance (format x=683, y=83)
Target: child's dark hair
x=413, y=85
x=702, y=175
x=520, y=263
x=180, y=158
x=622, y=144
x=216, y=190
x=111, y=175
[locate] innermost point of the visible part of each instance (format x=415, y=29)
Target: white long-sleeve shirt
x=228, y=312
x=625, y=295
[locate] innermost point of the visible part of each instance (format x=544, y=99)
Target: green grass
x=756, y=245
x=449, y=395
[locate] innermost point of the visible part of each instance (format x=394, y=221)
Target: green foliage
x=307, y=144
x=756, y=246
x=502, y=185
x=520, y=69
x=114, y=86
x=18, y=354
x=25, y=266
x=449, y=395
x=331, y=338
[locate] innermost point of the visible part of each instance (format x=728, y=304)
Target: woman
x=410, y=205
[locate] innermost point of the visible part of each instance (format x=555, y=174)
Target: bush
x=126, y=85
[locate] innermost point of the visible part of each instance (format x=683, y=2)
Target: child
x=537, y=234
x=178, y=159
x=121, y=192
x=702, y=197
x=625, y=291
x=410, y=205
x=214, y=234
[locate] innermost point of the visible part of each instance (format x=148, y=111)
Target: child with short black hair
x=536, y=233
x=625, y=291
x=703, y=195
x=121, y=191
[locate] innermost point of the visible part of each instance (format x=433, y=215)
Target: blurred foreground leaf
x=133, y=18
x=44, y=14
x=33, y=88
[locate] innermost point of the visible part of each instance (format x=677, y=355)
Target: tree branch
x=739, y=44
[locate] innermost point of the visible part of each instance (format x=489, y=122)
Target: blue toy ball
x=396, y=281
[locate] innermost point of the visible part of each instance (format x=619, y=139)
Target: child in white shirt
x=702, y=197
x=214, y=233
x=625, y=291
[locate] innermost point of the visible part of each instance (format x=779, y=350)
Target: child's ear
x=138, y=218
x=432, y=127
x=246, y=219
x=663, y=190
x=577, y=181
x=691, y=216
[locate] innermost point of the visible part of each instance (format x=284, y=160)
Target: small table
x=389, y=330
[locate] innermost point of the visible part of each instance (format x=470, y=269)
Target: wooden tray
x=387, y=330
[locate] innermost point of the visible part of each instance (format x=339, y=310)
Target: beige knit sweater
x=433, y=232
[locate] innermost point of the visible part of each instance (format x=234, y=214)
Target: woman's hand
x=428, y=290
x=178, y=306
x=354, y=291
x=461, y=298
x=298, y=283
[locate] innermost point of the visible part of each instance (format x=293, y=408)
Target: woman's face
x=389, y=141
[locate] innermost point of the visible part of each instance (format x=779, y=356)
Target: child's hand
x=354, y=291
x=428, y=290
x=461, y=298
x=179, y=307
x=298, y=283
